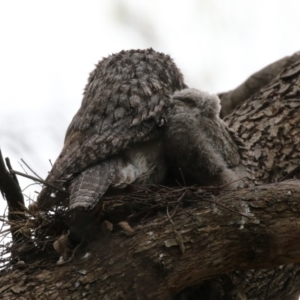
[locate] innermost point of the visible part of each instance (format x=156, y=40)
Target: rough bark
x=233, y=98
x=263, y=233
x=220, y=244
x=269, y=122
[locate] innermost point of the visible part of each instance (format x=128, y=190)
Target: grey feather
x=198, y=143
x=124, y=104
x=91, y=184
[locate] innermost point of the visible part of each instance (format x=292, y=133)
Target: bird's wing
x=224, y=141
x=125, y=100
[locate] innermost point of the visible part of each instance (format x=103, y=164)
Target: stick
x=38, y=180
x=30, y=169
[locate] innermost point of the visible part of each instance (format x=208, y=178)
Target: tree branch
x=11, y=191
x=230, y=100
x=150, y=265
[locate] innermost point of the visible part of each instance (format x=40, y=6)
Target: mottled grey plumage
x=124, y=105
x=199, y=145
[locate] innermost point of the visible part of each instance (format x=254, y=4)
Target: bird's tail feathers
x=90, y=185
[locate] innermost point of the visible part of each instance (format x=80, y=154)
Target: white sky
x=48, y=48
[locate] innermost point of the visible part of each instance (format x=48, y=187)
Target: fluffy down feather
x=199, y=145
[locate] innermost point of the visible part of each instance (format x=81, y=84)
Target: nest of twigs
x=37, y=231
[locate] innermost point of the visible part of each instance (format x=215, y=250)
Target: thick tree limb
x=230, y=100
x=269, y=123
x=150, y=265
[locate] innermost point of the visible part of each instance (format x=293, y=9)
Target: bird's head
x=207, y=105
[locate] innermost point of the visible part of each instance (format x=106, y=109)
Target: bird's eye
x=188, y=101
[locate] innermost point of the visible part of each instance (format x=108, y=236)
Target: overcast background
x=48, y=49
